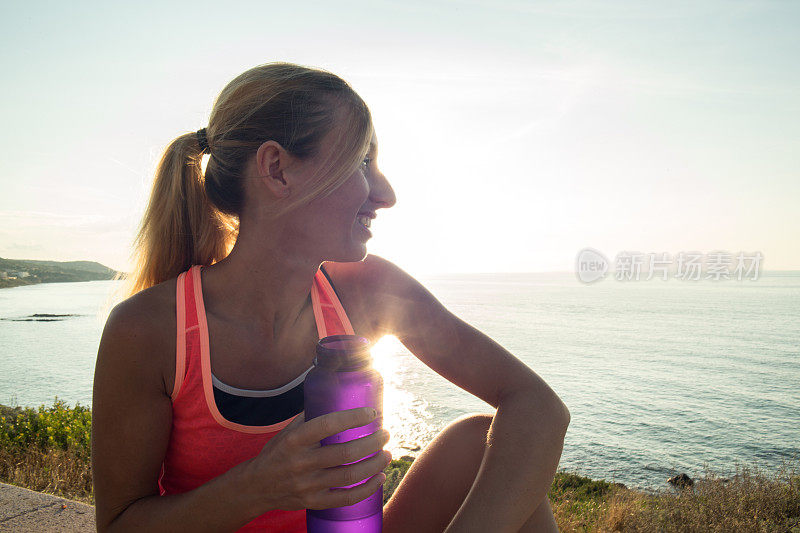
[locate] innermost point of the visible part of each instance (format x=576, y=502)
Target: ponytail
x=180, y=227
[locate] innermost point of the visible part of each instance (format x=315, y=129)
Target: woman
x=197, y=408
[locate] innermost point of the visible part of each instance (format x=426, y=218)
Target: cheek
x=357, y=187
x=332, y=213
x=343, y=203
x=353, y=195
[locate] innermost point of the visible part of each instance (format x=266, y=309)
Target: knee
x=475, y=425
x=465, y=441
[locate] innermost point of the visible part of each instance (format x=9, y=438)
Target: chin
x=361, y=255
x=351, y=254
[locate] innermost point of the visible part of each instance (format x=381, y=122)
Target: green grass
x=47, y=449
x=394, y=474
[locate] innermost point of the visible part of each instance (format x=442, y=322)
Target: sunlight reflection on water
x=405, y=417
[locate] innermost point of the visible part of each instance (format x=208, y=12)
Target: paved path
x=25, y=510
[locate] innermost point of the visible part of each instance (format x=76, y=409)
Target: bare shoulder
x=131, y=409
x=379, y=291
x=140, y=333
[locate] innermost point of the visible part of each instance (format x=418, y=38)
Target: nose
x=380, y=191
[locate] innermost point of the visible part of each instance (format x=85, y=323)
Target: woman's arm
x=526, y=437
x=521, y=459
x=131, y=421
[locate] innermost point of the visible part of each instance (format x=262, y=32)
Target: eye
x=365, y=164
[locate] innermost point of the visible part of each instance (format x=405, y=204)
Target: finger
x=345, y=497
x=350, y=451
x=329, y=424
x=347, y=475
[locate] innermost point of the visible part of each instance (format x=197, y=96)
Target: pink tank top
x=202, y=443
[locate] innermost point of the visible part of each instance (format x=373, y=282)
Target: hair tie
x=202, y=140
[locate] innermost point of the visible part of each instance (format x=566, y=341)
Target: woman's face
x=335, y=224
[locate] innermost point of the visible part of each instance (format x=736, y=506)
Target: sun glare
x=384, y=358
x=382, y=352
x=403, y=414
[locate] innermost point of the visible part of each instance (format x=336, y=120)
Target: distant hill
x=52, y=271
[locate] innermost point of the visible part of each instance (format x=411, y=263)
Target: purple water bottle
x=343, y=378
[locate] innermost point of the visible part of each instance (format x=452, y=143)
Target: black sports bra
x=265, y=407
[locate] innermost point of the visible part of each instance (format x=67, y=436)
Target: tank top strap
x=191, y=283
x=188, y=325
x=329, y=313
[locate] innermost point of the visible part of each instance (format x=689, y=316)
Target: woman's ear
x=271, y=160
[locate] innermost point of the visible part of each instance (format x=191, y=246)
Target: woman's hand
x=294, y=472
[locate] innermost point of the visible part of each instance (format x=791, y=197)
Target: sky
x=513, y=133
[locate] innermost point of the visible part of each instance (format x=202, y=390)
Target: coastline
x=23, y=272
x=25, y=282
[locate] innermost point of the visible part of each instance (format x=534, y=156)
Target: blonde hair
x=193, y=218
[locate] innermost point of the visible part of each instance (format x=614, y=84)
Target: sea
x=660, y=377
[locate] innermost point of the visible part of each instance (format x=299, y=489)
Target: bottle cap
x=343, y=351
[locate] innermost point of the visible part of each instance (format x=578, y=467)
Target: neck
x=262, y=286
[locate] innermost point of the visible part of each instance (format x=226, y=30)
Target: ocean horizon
x=660, y=377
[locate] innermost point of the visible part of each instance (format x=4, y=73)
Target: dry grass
x=579, y=503
x=55, y=471
x=751, y=501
